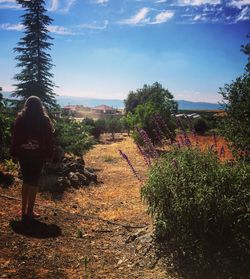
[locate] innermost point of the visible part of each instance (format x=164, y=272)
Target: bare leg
x=31, y=199
x=25, y=189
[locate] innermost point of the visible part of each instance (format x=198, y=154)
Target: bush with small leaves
x=72, y=137
x=190, y=192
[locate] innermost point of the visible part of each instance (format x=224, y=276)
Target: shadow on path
x=35, y=228
x=207, y=260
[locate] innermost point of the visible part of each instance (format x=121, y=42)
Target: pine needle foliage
x=33, y=58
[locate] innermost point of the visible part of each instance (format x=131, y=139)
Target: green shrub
x=72, y=137
x=235, y=124
x=113, y=125
x=200, y=126
x=145, y=116
x=95, y=127
x=6, y=124
x=191, y=193
x=9, y=165
x=127, y=122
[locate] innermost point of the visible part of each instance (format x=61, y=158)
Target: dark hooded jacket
x=32, y=138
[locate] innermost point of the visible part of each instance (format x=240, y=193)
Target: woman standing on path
x=32, y=145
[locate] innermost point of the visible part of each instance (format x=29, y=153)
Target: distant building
x=105, y=109
x=98, y=112
x=69, y=110
x=186, y=116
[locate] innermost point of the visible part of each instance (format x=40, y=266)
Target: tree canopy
x=155, y=94
x=236, y=98
x=33, y=57
x=146, y=104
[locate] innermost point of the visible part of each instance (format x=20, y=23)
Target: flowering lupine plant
x=158, y=136
x=147, y=141
x=124, y=156
x=188, y=142
x=163, y=125
x=158, y=126
x=144, y=155
x=222, y=151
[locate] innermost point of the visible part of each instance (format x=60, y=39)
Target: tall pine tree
x=33, y=58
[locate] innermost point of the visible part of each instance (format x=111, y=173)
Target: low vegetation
x=191, y=193
x=72, y=137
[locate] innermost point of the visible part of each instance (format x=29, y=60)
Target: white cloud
x=12, y=27
x=198, y=2
x=94, y=26
x=101, y=1
x=60, y=30
x=68, y=5
x=9, y=4
x=163, y=17
x=61, y=6
x=139, y=18
x=54, y=5
x=239, y=3
x=244, y=15
x=160, y=1
x=197, y=17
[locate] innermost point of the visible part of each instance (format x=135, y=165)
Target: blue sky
x=106, y=48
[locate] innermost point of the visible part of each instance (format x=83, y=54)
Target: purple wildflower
x=158, y=127
x=130, y=164
x=163, y=124
x=222, y=151
x=188, y=142
x=158, y=136
x=148, y=142
x=145, y=157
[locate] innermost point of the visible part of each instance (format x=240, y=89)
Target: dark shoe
x=34, y=215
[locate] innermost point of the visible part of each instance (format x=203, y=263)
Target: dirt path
x=76, y=240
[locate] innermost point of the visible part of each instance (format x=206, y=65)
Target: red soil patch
x=205, y=142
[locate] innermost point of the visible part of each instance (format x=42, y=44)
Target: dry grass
x=118, y=197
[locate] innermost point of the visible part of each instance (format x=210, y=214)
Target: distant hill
x=115, y=103
x=187, y=105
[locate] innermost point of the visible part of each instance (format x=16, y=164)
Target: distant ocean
x=89, y=102
x=119, y=104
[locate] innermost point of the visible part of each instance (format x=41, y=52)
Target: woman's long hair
x=33, y=115
x=33, y=107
